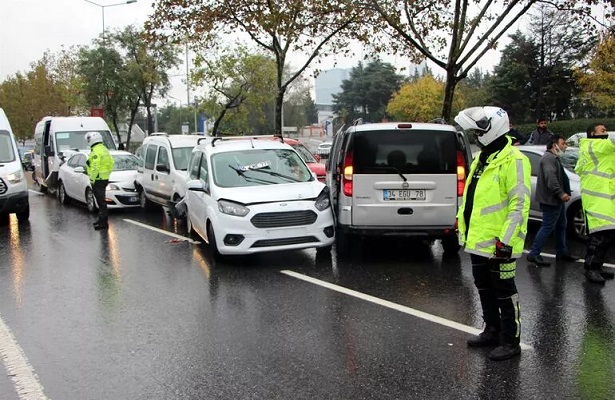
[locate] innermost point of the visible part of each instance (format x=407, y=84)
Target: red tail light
x=461, y=173
x=347, y=175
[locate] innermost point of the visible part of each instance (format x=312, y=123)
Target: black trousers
x=597, y=247
x=99, y=189
x=498, y=297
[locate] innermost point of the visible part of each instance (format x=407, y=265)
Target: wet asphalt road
x=134, y=314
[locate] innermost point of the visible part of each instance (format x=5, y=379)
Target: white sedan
x=74, y=183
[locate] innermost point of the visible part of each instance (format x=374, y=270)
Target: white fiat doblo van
x=57, y=138
x=13, y=184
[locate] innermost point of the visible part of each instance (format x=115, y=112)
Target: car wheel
x=144, y=201
x=211, y=241
x=577, y=225
x=24, y=215
x=90, y=200
x=450, y=244
x=342, y=243
x=62, y=196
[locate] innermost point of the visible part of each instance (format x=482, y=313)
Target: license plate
x=133, y=199
x=403, y=194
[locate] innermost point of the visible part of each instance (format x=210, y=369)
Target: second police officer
x=492, y=224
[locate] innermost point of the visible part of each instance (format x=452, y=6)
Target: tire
x=24, y=215
x=211, y=241
x=90, y=200
x=144, y=201
x=577, y=225
x=189, y=228
x=62, y=196
x=450, y=244
x=342, y=243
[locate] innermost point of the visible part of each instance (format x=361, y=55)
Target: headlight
x=15, y=177
x=231, y=208
x=322, y=201
x=112, y=186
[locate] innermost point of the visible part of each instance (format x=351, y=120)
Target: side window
x=204, y=171
x=81, y=161
x=140, y=154
x=150, y=157
x=193, y=167
x=163, y=160
x=534, y=161
x=72, y=162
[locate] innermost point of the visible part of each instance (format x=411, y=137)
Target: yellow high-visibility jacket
x=596, y=167
x=501, y=204
x=100, y=163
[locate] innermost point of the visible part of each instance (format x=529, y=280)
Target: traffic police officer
x=492, y=223
x=596, y=167
x=99, y=167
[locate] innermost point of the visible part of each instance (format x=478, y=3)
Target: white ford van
x=13, y=184
x=57, y=138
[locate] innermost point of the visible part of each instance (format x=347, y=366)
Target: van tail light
x=461, y=173
x=347, y=174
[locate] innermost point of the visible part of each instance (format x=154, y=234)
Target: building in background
x=326, y=84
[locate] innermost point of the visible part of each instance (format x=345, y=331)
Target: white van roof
x=76, y=123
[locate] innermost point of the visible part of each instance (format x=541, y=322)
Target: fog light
x=233, y=240
x=329, y=231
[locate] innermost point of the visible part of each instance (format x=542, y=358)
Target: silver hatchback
x=576, y=220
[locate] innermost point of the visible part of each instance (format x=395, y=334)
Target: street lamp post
x=103, y=6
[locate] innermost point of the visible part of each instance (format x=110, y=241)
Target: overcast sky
x=29, y=27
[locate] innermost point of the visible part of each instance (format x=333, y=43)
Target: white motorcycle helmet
x=93, y=137
x=487, y=123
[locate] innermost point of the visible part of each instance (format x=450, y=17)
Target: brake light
x=461, y=173
x=347, y=175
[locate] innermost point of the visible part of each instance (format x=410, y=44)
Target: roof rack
x=251, y=137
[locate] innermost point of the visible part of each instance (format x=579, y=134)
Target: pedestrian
x=596, y=167
x=99, y=167
x=517, y=137
x=541, y=134
x=552, y=193
x=492, y=223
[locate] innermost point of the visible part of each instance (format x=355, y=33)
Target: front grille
x=284, y=241
x=3, y=187
x=282, y=219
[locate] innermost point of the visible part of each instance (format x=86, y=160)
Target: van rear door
x=404, y=177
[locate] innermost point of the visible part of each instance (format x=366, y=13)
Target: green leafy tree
x=598, y=81
x=63, y=67
x=475, y=89
x=367, y=92
x=280, y=28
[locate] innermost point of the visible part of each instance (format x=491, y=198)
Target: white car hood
x=272, y=193
x=123, y=176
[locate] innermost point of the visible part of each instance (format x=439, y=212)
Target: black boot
x=102, y=224
x=593, y=276
x=488, y=337
x=504, y=352
x=97, y=222
x=607, y=274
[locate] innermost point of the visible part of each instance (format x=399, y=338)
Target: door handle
x=152, y=176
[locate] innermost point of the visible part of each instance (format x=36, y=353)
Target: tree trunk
x=279, y=101
x=117, y=129
x=449, y=92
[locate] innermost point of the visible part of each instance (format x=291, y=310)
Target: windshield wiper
x=394, y=169
x=273, y=173
x=241, y=173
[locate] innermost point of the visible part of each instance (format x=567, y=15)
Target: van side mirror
x=163, y=168
x=196, y=186
x=49, y=152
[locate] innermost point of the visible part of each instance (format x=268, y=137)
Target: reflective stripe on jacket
x=501, y=204
x=596, y=167
x=100, y=163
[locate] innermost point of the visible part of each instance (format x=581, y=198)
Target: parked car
x=574, y=139
x=74, y=183
x=26, y=160
x=310, y=159
x=576, y=220
x=399, y=179
x=248, y=196
x=162, y=170
x=13, y=185
x=323, y=149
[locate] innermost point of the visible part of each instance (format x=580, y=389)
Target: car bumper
x=319, y=233
x=121, y=199
x=427, y=232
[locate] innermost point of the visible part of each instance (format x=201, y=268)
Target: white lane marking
x=21, y=372
x=580, y=260
x=390, y=304
x=36, y=192
x=151, y=228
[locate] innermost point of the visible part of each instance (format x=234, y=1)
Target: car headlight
x=15, y=177
x=322, y=201
x=231, y=208
x=112, y=186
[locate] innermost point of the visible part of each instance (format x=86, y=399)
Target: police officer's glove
x=502, y=253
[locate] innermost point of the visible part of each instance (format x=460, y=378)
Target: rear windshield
x=125, y=162
x=407, y=152
x=7, y=152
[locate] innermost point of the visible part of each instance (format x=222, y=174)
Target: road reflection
x=16, y=256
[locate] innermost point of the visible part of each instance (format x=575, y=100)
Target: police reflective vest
x=501, y=204
x=100, y=163
x=596, y=167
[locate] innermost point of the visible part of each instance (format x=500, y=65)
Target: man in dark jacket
x=552, y=192
x=541, y=134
